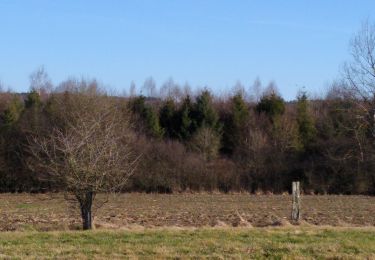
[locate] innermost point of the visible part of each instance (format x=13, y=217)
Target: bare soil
x=44, y=212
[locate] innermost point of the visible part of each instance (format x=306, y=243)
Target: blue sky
x=210, y=43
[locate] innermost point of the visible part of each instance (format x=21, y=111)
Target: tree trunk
x=85, y=202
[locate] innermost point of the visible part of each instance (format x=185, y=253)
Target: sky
x=206, y=43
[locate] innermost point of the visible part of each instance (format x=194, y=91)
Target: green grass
x=274, y=243
x=24, y=206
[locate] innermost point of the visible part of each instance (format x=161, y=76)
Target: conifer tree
x=306, y=127
x=168, y=118
x=148, y=116
x=272, y=105
x=33, y=109
x=204, y=114
x=33, y=99
x=12, y=112
x=184, y=120
x=236, y=123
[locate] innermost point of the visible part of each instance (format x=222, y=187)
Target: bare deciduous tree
x=89, y=153
x=359, y=83
x=187, y=90
x=41, y=82
x=239, y=89
x=256, y=91
x=132, y=89
x=149, y=86
x=207, y=143
x=359, y=73
x=171, y=90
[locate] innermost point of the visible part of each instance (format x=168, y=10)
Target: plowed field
x=51, y=212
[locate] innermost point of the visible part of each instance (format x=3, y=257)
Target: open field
x=189, y=226
x=48, y=212
x=217, y=243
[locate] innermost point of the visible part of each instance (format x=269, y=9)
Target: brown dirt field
x=51, y=212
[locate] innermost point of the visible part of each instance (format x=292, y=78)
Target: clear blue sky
x=204, y=42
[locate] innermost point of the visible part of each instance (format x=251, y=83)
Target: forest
x=189, y=141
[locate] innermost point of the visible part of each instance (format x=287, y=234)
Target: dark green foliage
x=33, y=99
x=184, y=120
x=272, y=105
x=148, y=116
x=152, y=123
x=32, y=112
x=235, y=124
x=306, y=126
x=25, y=120
x=204, y=114
x=240, y=111
x=12, y=112
x=168, y=118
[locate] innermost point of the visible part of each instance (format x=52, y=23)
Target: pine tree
x=306, y=126
x=12, y=112
x=33, y=109
x=184, y=120
x=152, y=123
x=236, y=123
x=148, y=116
x=272, y=105
x=204, y=114
x=33, y=99
x=168, y=118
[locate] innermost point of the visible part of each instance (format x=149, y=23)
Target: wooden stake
x=296, y=208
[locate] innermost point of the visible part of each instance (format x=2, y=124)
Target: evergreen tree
x=12, y=112
x=152, y=123
x=184, y=120
x=235, y=124
x=240, y=111
x=204, y=114
x=272, y=105
x=33, y=99
x=306, y=126
x=168, y=118
x=33, y=109
x=148, y=116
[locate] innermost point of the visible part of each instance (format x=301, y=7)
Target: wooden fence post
x=296, y=208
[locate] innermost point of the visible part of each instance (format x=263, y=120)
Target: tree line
x=207, y=143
